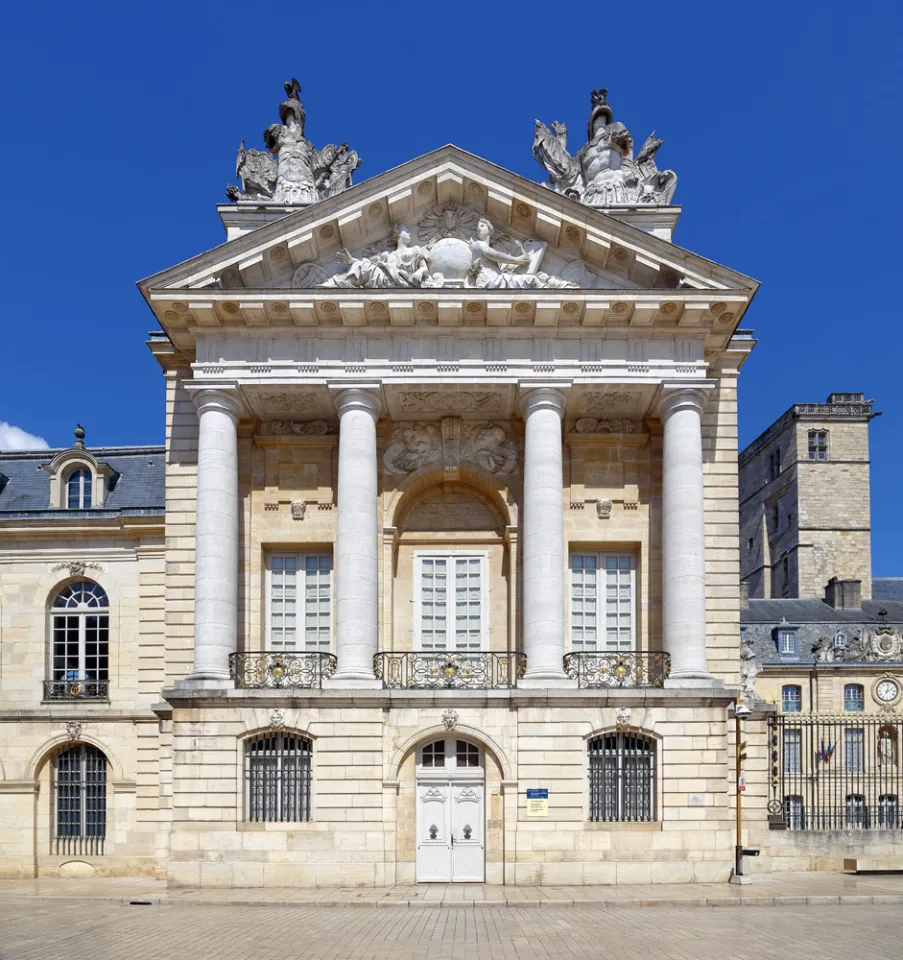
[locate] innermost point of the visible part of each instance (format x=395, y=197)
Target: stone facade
x=508, y=381
x=804, y=511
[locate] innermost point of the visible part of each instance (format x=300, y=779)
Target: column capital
x=548, y=396
x=676, y=395
x=364, y=396
x=226, y=397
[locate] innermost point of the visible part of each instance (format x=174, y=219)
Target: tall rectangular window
x=791, y=699
x=818, y=445
x=792, y=751
x=299, y=602
x=853, y=698
x=451, y=601
x=853, y=746
x=603, y=602
x=787, y=643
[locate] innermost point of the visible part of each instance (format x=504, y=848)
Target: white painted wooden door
x=450, y=844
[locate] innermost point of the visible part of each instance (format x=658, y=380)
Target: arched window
x=854, y=698
x=791, y=698
x=80, y=643
x=278, y=778
x=80, y=795
x=622, y=777
x=78, y=489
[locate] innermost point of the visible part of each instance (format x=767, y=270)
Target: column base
x=543, y=678
x=693, y=679
x=204, y=682
x=352, y=680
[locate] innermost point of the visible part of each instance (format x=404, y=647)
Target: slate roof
x=887, y=588
x=138, y=487
x=812, y=619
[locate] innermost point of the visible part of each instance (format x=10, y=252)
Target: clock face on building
x=886, y=691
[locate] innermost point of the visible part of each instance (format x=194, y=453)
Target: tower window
x=818, y=445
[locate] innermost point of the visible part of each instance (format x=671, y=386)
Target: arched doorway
x=450, y=812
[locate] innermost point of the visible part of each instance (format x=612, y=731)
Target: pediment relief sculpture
x=454, y=247
x=416, y=445
x=291, y=170
x=605, y=172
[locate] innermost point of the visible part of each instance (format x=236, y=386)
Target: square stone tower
x=804, y=500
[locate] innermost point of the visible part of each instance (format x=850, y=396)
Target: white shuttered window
x=603, y=602
x=299, y=592
x=451, y=601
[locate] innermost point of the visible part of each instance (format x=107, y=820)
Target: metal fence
x=836, y=772
x=625, y=668
x=449, y=670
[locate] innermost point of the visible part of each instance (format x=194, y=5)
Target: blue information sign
x=538, y=793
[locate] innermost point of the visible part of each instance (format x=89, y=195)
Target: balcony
x=449, y=670
x=76, y=689
x=618, y=668
x=281, y=670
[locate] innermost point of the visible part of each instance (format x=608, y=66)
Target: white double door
x=450, y=831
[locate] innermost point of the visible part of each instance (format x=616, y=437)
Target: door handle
x=452, y=839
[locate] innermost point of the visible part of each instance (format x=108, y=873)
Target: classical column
x=357, y=538
x=216, y=533
x=683, y=531
x=543, y=538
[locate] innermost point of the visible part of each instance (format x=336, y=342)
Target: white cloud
x=15, y=438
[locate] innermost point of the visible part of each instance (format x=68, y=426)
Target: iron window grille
x=79, y=490
x=278, y=779
x=80, y=643
x=791, y=699
x=80, y=792
x=853, y=698
x=622, y=778
x=832, y=773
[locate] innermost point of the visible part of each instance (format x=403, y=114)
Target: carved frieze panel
x=591, y=425
x=300, y=428
x=437, y=401
x=287, y=402
x=416, y=445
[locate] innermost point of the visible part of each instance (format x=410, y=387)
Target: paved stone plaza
x=50, y=929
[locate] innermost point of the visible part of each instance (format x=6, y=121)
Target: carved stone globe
x=452, y=258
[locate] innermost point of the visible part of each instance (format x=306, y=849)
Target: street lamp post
x=741, y=712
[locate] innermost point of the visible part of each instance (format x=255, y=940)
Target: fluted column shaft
x=216, y=535
x=683, y=533
x=357, y=540
x=543, y=537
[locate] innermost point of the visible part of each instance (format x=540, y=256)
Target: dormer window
x=787, y=646
x=78, y=489
x=77, y=480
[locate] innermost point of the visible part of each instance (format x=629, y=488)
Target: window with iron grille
x=791, y=699
x=300, y=602
x=451, y=599
x=622, y=778
x=80, y=792
x=854, y=698
x=888, y=816
x=818, y=445
x=857, y=812
x=80, y=639
x=278, y=779
x=78, y=490
x=794, y=813
x=603, y=587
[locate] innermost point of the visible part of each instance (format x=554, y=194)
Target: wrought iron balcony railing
x=449, y=670
x=76, y=689
x=281, y=669
x=621, y=668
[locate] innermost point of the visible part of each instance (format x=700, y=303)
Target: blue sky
x=121, y=121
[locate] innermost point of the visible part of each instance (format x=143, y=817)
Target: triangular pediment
x=472, y=230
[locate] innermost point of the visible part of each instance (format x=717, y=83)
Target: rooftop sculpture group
x=292, y=170
x=604, y=172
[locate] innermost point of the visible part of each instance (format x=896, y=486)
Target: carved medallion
x=416, y=445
